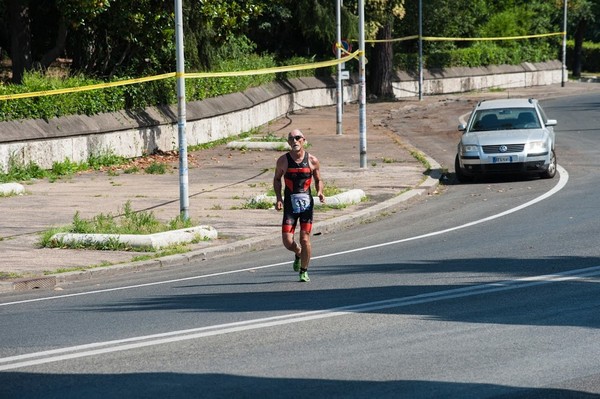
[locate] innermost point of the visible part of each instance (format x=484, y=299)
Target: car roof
x=507, y=103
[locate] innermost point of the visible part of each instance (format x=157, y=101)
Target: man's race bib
x=300, y=202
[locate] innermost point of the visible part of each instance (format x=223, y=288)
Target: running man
x=298, y=168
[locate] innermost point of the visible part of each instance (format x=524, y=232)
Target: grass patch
x=18, y=172
x=156, y=168
x=419, y=156
x=254, y=204
x=225, y=140
x=269, y=137
x=9, y=194
x=331, y=189
x=6, y=276
x=104, y=159
x=129, y=222
x=327, y=207
x=131, y=170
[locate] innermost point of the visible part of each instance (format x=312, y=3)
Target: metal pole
x=362, y=112
x=564, y=46
x=338, y=54
x=420, y=50
x=183, y=164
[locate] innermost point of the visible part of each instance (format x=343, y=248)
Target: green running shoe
x=297, y=263
x=304, y=277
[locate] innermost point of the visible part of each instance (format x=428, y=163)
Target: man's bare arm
x=317, y=177
x=277, y=186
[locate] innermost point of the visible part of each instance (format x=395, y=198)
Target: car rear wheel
x=551, y=171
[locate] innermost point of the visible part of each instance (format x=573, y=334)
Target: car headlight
x=469, y=148
x=537, y=147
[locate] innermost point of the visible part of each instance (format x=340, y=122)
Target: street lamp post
x=362, y=86
x=420, y=50
x=564, y=45
x=181, y=110
x=338, y=53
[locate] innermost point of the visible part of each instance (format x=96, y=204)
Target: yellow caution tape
x=288, y=68
x=264, y=71
x=433, y=38
x=401, y=39
x=429, y=38
x=86, y=88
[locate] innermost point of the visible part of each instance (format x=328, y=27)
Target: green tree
x=213, y=26
x=380, y=16
x=128, y=38
x=581, y=14
x=108, y=38
x=37, y=31
x=289, y=28
x=480, y=18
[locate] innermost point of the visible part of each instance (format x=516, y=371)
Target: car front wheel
x=551, y=171
x=460, y=176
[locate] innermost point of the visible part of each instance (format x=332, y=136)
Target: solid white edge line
x=564, y=178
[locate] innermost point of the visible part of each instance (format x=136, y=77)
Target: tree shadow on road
x=24, y=385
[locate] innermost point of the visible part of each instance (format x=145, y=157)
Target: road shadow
x=21, y=385
x=275, y=291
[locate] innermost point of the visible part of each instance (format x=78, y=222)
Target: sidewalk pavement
x=221, y=181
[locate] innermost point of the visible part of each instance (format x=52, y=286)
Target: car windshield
x=505, y=119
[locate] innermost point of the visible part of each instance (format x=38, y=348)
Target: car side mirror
x=462, y=128
x=551, y=122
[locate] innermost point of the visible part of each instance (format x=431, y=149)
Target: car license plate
x=506, y=159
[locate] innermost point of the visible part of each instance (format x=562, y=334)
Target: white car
x=510, y=136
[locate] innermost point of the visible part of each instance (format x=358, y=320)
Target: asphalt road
x=488, y=290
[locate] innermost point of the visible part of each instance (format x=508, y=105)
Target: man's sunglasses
x=296, y=138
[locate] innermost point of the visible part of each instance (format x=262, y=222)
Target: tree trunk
x=20, y=42
x=55, y=52
x=578, y=47
x=381, y=64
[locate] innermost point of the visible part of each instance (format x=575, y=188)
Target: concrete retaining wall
x=133, y=134
x=460, y=80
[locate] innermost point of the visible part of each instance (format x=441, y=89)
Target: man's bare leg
x=290, y=244
x=306, y=249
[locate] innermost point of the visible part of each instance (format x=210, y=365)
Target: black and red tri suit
x=298, y=179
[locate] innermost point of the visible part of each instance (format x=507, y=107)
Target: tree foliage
x=290, y=28
x=110, y=39
x=36, y=31
x=582, y=13
x=480, y=19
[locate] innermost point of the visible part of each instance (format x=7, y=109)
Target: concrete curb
x=12, y=189
x=250, y=244
x=154, y=241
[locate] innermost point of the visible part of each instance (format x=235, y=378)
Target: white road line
x=564, y=178
x=99, y=348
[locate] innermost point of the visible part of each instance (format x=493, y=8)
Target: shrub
x=47, y=107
